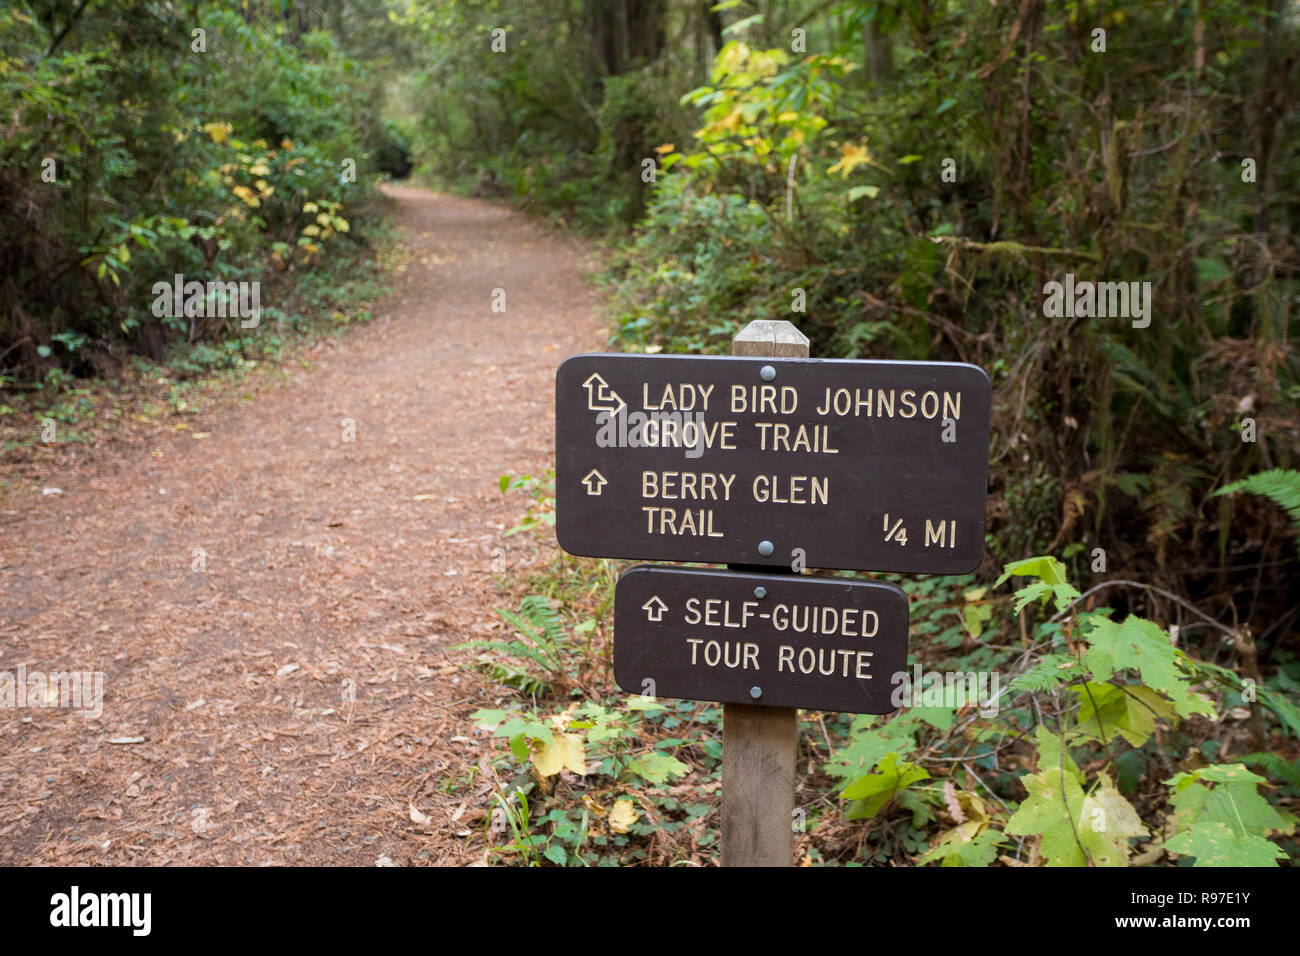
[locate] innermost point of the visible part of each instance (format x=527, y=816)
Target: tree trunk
x=626, y=34
x=878, y=51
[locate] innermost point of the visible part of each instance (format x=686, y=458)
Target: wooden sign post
x=759, y=744
x=768, y=461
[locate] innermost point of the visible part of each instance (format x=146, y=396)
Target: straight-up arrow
x=594, y=481
x=654, y=609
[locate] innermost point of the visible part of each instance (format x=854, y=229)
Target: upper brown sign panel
x=830, y=463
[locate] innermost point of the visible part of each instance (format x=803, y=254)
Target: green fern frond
x=544, y=617
x=1281, y=486
x=1172, y=399
x=1288, y=771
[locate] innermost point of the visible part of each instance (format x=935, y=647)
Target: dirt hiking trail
x=273, y=606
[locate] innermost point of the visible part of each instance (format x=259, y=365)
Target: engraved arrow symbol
x=594, y=481
x=654, y=609
x=600, y=397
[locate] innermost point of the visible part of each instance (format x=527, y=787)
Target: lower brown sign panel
x=780, y=640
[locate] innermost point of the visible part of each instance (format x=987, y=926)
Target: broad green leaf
x=869, y=742
x=1214, y=844
x=488, y=719
x=1052, y=752
x=1076, y=829
x=981, y=850
x=1131, y=711
x=1054, y=799
x=1233, y=800
x=940, y=718
x=1030, y=593
x=1107, y=822
x=646, y=704
x=1051, y=581
x=1142, y=645
x=533, y=729
x=974, y=616
x=1046, y=568
x=519, y=747
x=873, y=791
x=657, y=767
x=556, y=854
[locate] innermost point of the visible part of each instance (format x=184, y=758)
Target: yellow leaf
x=622, y=816
x=218, y=131
x=312, y=230
x=564, y=752
x=851, y=157
x=665, y=149
x=259, y=169
x=260, y=143
x=286, y=144
x=308, y=207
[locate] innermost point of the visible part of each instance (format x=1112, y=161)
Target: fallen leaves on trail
x=623, y=815
x=565, y=752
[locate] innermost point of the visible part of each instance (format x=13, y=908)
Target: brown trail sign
x=778, y=640
x=824, y=463
x=768, y=459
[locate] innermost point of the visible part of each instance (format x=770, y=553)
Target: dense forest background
x=900, y=178
x=1171, y=158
